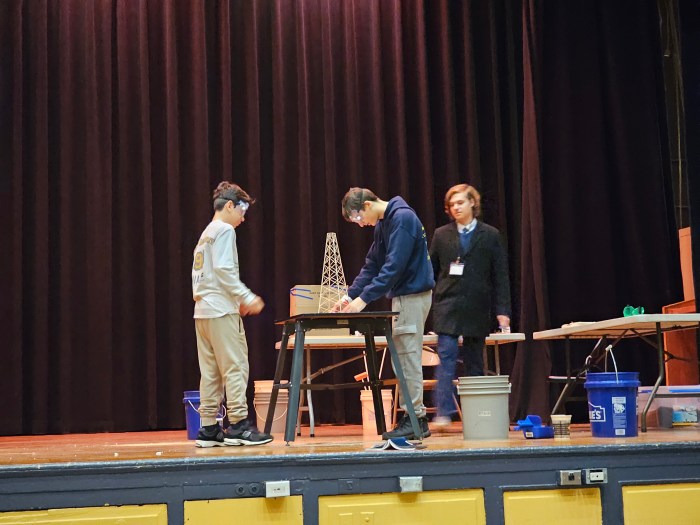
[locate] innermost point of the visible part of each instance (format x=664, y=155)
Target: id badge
x=456, y=268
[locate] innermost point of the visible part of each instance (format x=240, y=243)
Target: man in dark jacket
x=471, y=270
x=397, y=266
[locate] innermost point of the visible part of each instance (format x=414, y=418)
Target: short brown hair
x=228, y=191
x=355, y=199
x=472, y=194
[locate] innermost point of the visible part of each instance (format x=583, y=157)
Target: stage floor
x=329, y=440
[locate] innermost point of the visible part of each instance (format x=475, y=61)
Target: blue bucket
x=612, y=403
x=192, y=419
x=191, y=401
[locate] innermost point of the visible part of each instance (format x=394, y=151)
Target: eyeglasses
x=354, y=215
x=243, y=206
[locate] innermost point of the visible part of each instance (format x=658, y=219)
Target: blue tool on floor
x=533, y=429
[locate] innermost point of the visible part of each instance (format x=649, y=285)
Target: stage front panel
x=571, y=506
x=125, y=515
x=261, y=511
x=677, y=503
x=426, y=508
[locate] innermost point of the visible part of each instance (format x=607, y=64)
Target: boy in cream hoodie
x=220, y=301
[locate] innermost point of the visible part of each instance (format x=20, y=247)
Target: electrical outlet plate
x=569, y=477
x=277, y=489
x=596, y=476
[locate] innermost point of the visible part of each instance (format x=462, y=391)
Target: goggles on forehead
x=354, y=215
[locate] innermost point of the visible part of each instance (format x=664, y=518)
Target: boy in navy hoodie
x=397, y=266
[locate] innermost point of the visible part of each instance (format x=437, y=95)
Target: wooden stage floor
x=329, y=440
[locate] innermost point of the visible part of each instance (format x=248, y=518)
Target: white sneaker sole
x=209, y=444
x=239, y=442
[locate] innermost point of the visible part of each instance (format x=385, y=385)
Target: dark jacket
x=397, y=262
x=467, y=304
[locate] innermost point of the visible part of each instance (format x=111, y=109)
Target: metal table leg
x=374, y=383
x=309, y=399
x=570, y=382
x=281, y=358
x=662, y=374
x=294, y=382
x=497, y=358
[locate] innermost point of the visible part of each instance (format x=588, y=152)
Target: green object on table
x=631, y=310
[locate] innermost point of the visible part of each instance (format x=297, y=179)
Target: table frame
x=643, y=327
x=367, y=323
x=337, y=342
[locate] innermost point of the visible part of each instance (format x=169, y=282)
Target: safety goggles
x=354, y=215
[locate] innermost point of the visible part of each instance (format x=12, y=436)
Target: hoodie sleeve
x=398, y=254
x=369, y=271
x=225, y=266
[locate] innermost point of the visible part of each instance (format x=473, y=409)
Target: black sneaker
x=404, y=429
x=210, y=436
x=243, y=433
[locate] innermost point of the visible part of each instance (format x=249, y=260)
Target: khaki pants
x=408, y=338
x=223, y=363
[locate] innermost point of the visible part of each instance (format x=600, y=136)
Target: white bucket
x=369, y=422
x=484, y=407
x=483, y=380
x=261, y=402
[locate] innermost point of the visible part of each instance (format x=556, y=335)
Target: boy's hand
x=338, y=307
x=252, y=308
x=503, y=323
x=357, y=305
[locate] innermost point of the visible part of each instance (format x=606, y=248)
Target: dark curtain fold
x=118, y=118
x=596, y=182
x=532, y=361
x=689, y=14
x=607, y=202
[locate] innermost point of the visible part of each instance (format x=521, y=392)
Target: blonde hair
x=472, y=195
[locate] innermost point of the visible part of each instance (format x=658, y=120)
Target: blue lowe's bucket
x=612, y=403
x=191, y=401
x=192, y=419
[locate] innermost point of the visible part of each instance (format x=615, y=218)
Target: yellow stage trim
x=676, y=503
x=555, y=506
x=260, y=511
x=426, y=508
x=123, y=515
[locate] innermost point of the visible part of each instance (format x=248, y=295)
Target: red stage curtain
x=117, y=119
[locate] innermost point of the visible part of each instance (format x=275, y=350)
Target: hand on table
x=357, y=305
x=338, y=307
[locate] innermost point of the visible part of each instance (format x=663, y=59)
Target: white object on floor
x=442, y=421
